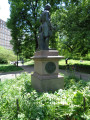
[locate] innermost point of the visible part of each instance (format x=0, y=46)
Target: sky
x=4, y=10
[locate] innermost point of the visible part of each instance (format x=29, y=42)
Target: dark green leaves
x=72, y=21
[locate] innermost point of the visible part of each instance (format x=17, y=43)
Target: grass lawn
x=78, y=65
x=71, y=61
x=9, y=68
x=31, y=62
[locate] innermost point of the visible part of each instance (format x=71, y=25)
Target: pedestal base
x=46, y=71
x=50, y=84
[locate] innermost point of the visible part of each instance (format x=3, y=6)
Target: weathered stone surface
x=45, y=85
x=46, y=77
x=46, y=53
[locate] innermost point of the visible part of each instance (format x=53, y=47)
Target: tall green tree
x=24, y=22
x=72, y=21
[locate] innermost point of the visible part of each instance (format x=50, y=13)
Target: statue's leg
x=41, y=42
x=47, y=43
x=38, y=39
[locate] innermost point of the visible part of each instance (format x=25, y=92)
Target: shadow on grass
x=76, y=67
x=32, y=65
x=10, y=68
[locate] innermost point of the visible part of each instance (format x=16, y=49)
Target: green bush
x=6, y=55
x=19, y=101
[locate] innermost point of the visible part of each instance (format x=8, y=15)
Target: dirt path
x=29, y=69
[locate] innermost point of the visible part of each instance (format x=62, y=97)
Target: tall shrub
x=6, y=55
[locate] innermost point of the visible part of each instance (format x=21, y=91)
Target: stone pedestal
x=46, y=75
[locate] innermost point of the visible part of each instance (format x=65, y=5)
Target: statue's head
x=47, y=7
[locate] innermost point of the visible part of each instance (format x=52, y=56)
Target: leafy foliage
x=6, y=55
x=72, y=23
x=20, y=101
x=24, y=23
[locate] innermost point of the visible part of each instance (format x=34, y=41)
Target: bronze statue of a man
x=45, y=29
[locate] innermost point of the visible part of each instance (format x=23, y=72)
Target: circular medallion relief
x=50, y=67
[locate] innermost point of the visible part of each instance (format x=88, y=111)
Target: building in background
x=5, y=35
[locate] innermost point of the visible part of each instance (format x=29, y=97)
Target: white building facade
x=5, y=35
